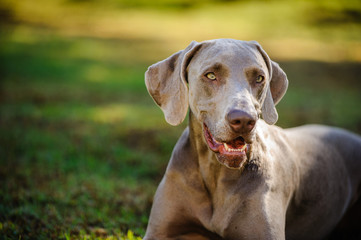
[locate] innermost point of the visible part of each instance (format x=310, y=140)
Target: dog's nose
x=240, y=121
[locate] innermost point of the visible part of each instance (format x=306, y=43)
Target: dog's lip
x=235, y=147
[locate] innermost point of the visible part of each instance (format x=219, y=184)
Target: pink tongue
x=236, y=143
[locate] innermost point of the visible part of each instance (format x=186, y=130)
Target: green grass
x=83, y=146
x=80, y=150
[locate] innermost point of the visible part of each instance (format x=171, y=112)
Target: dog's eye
x=259, y=79
x=211, y=76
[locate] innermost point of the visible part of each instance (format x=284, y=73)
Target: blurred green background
x=83, y=146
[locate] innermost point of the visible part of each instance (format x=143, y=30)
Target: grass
x=83, y=146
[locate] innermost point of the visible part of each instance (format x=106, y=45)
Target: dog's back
x=330, y=172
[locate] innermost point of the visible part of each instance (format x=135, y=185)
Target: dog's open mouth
x=232, y=154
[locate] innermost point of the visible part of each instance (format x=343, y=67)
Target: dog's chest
x=234, y=202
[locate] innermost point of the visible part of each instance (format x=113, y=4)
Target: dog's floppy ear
x=275, y=90
x=167, y=84
x=279, y=83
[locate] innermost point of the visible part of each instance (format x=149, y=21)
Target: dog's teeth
x=230, y=149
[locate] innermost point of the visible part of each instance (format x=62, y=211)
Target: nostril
x=236, y=122
x=251, y=123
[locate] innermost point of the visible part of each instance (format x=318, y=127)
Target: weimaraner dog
x=235, y=176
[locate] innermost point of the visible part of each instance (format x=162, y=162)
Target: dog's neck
x=209, y=166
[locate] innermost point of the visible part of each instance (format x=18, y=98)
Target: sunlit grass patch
x=100, y=233
x=326, y=27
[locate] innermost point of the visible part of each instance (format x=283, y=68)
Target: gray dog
x=235, y=176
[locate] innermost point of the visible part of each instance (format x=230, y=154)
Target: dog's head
x=227, y=84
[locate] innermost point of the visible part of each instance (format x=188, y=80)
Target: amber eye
x=259, y=79
x=211, y=76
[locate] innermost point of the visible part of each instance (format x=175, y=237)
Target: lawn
x=83, y=146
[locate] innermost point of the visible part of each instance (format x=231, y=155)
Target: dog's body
x=232, y=175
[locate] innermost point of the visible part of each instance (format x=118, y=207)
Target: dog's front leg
x=179, y=210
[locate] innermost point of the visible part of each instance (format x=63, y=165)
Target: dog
x=233, y=175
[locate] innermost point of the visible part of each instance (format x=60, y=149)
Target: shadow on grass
x=324, y=93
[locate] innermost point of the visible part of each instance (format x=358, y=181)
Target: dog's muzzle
x=232, y=154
